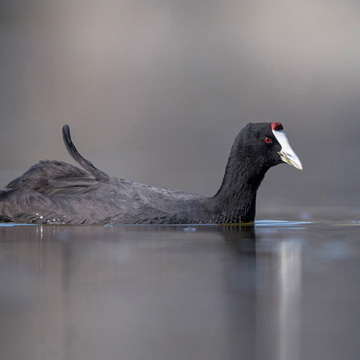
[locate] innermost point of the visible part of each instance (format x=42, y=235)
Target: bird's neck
x=235, y=202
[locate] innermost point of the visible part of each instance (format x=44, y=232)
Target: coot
x=54, y=192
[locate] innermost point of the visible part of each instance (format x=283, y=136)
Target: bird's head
x=266, y=145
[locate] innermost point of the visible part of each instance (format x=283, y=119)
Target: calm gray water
x=282, y=290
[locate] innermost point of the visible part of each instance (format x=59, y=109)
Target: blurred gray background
x=155, y=91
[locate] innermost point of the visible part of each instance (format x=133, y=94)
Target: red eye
x=268, y=140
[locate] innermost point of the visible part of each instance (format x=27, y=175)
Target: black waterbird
x=54, y=192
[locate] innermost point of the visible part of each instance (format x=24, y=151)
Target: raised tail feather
x=86, y=164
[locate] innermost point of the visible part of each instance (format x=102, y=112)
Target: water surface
x=282, y=290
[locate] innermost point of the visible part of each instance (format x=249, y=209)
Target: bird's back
x=57, y=192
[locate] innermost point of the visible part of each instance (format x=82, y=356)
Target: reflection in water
x=278, y=298
x=289, y=290
x=273, y=280
x=202, y=292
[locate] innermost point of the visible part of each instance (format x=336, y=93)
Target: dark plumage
x=55, y=192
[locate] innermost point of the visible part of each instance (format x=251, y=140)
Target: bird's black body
x=59, y=193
